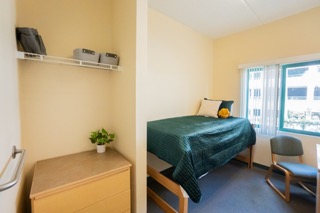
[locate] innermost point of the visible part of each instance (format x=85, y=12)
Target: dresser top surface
x=66, y=171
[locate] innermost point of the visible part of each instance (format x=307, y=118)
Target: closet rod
x=18, y=170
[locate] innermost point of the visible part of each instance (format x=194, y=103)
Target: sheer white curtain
x=260, y=97
x=270, y=100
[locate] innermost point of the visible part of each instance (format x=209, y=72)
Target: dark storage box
x=30, y=40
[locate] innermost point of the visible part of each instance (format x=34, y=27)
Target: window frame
x=283, y=97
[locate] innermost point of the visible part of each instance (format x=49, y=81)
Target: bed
x=194, y=145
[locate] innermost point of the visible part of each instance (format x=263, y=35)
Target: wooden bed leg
x=170, y=185
x=183, y=201
x=160, y=202
x=248, y=158
x=250, y=163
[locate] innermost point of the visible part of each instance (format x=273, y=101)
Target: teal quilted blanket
x=195, y=145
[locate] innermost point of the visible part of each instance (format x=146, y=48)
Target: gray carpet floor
x=235, y=188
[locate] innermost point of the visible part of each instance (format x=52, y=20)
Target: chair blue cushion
x=299, y=169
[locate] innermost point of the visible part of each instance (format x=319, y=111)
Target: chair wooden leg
x=269, y=173
x=286, y=195
x=306, y=188
x=287, y=190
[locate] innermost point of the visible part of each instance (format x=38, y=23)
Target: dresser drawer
x=84, y=195
x=117, y=204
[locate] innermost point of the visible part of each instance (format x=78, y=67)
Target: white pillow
x=209, y=108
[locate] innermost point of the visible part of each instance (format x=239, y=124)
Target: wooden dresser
x=82, y=182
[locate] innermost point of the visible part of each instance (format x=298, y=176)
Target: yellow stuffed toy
x=224, y=113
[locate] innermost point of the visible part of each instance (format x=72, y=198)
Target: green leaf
x=101, y=137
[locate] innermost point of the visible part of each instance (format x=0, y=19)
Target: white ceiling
x=218, y=18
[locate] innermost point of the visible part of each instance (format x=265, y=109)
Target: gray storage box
x=85, y=55
x=109, y=58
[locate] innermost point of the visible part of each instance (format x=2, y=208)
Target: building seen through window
x=300, y=105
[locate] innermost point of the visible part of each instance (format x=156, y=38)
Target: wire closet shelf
x=66, y=61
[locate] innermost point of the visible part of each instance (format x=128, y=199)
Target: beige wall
x=293, y=36
x=179, y=68
x=66, y=25
x=61, y=105
x=129, y=40
x=141, y=120
x=9, y=107
x=179, y=71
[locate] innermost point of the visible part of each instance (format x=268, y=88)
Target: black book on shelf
x=30, y=40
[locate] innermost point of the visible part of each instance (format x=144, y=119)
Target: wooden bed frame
x=247, y=159
x=176, y=189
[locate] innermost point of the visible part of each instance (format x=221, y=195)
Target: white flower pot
x=101, y=148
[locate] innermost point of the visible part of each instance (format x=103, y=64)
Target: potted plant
x=100, y=138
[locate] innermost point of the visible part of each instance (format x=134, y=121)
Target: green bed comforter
x=195, y=145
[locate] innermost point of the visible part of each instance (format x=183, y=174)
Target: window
x=254, y=96
x=297, y=93
x=300, y=108
x=296, y=72
x=285, y=98
x=261, y=90
x=257, y=75
x=257, y=93
x=316, y=93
